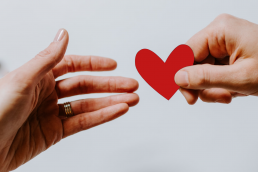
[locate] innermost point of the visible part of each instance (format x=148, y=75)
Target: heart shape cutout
x=159, y=74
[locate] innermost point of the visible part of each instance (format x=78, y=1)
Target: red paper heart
x=160, y=75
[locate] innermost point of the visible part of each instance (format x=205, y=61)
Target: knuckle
x=112, y=87
x=84, y=106
x=223, y=17
x=83, y=87
x=247, y=78
x=102, y=117
x=111, y=100
x=49, y=54
x=44, y=53
x=202, y=77
x=83, y=122
x=91, y=64
x=220, y=23
x=69, y=64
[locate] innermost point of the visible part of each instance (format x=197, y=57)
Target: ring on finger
x=68, y=109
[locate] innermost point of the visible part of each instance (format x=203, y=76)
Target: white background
x=157, y=135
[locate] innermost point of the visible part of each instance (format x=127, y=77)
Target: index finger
x=76, y=63
x=199, y=45
x=212, y=39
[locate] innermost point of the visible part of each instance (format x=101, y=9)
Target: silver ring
x=68, y=109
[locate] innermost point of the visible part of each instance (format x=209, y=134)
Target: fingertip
x=226, y=99
x=123, y=108
x=133, y=99
x=99, y=63
x=65, y=37
x=192, y=101
x=65, y=32
x=47, y=59
x=133, y=85
x=60, y=35
x=181, y=78
x=191, y=96
x=112, y=64
x=117, y=111
x=136, y=84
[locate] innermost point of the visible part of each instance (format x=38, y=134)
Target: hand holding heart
x=226, y=54
x=226, y=58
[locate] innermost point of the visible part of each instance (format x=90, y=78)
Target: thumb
x=47, y=59
x=206, y=76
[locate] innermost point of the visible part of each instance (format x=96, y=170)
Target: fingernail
x=59, y=36
x=182, y=79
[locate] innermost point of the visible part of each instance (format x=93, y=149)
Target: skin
x=31, y=120
x=226, y=58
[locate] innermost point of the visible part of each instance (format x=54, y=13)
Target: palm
x=44, y=127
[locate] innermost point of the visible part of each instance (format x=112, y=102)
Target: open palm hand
x=31, y=120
